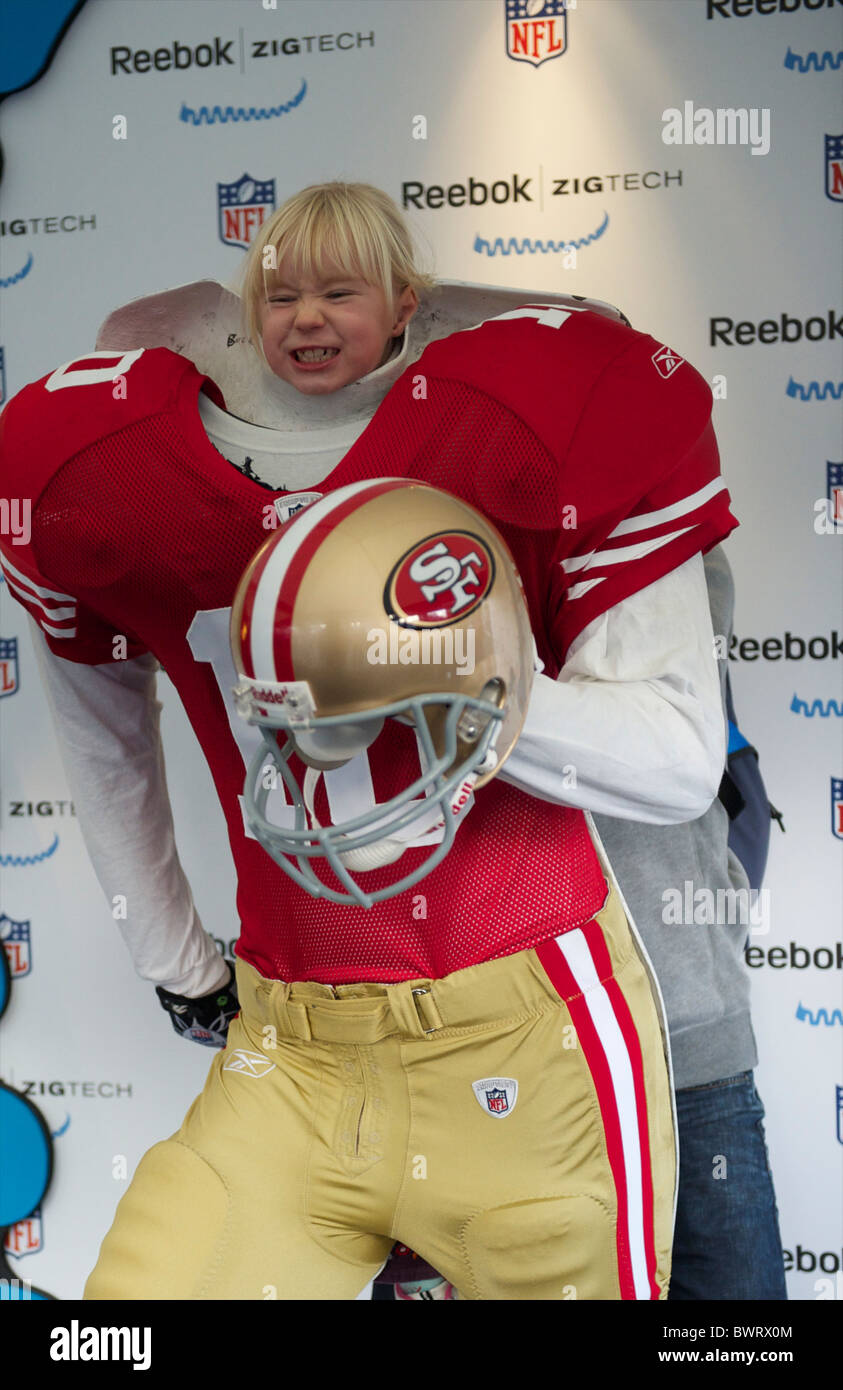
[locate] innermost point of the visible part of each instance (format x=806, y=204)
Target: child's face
x=341, y=313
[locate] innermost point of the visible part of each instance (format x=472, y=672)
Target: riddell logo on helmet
x=407, y=646
x=462, y=796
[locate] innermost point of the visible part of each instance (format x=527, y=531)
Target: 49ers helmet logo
x=440, y=581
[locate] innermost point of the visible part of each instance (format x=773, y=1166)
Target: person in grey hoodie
x=726, y=1238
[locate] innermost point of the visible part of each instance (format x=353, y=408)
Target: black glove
x=204, y=1020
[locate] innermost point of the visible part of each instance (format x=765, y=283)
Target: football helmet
x=383, y=600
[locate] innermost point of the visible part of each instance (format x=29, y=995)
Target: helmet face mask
x=326, y=746
x=331, y=652
x=370, y=840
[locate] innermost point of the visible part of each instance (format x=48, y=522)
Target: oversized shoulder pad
x=204, y=321
x=86, y=400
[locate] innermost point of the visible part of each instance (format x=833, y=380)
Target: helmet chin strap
x=386, y=851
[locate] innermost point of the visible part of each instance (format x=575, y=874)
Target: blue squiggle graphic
x=811, y=62
x=817, y=707
x=239, y=113
x=20, y=861
x=57, y=1133
x=814, y=392
x=821, y=1016
x=499, y=248
x=13, y=279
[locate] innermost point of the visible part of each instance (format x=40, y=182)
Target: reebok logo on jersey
x=496, y=1095
x=250, y=1063
x=666, y=361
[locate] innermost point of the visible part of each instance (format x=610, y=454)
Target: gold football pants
x=512, y=1123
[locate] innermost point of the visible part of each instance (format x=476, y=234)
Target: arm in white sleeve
x=107, y=725
x=633, y=726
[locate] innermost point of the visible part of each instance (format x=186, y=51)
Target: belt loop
x=275, y=992
x=299, y=1019
x=272, y=996
x=426, y=1010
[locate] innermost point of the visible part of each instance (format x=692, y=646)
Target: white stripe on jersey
x=578, y=590
x=680, y=508
x=622, y=554
x=59, y=613
x=35, y=588
x=56, y=631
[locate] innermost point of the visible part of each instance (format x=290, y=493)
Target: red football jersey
x=561, y=426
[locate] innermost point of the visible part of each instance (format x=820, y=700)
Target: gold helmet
x=383, y=600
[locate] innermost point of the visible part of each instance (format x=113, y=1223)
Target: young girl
x=321, y=317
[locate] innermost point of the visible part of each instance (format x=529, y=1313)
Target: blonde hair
x=353, y=226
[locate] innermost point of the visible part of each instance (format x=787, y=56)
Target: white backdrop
x=678, y=235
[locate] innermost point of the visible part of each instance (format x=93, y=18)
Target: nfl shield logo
x=834, y=168
x=9, y=681
x=536, y=30
x=25, y=1237
x=294, y=502
x=834, y=476
x=496, y=1095
x=16, y=943
x=837, y=807
x=242, y=208
x=840, y=1114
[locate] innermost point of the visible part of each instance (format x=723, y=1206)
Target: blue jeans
x=726, y=1244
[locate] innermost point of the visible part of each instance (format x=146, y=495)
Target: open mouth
x=315, y=354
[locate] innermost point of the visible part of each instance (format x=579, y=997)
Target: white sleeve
x=633, y=726
x=107, y=725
